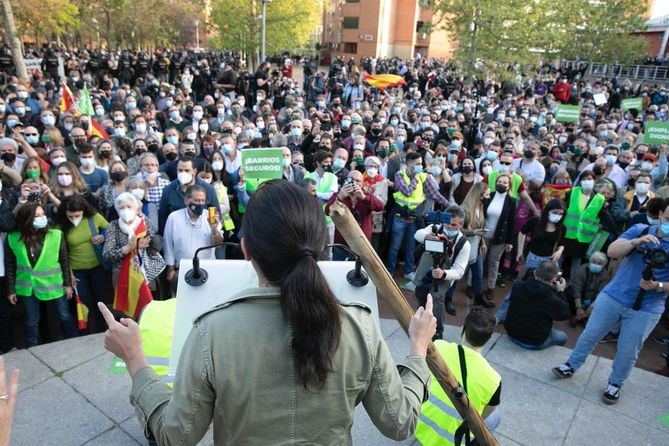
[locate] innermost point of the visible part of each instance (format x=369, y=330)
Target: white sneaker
x=409, y=286
x=410, y=276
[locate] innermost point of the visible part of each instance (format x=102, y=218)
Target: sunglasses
x=505, y=164
x=31, y=134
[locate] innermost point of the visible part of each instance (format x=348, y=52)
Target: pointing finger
x=428, y=305
x=109, y=317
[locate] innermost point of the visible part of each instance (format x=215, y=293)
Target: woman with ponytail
x=285, y=363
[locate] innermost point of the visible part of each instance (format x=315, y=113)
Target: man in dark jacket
x=534, y=305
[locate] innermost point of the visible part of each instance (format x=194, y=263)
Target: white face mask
x=141, y=128
x=587, y=184
x=87, y=162
x=138, y=193
x=184, y=178
x=197, y=116
x=58, y=160
x=372, y=172
x=127, y=215
x=75, y=220
x=217, y=166
x=486, y=170
x=204, y=128
x=64, y=180
x=642, y=188
x=40, y=222
x=554, y=218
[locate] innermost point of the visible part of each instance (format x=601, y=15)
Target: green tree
x=44, y=17
x=290, y=24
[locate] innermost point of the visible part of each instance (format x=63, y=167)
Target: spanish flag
x=66, y=98
x=82, y=314
x=132, y=290
x=384, y=81
x=97, y=130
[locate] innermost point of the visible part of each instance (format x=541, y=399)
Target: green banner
x=628, y=104
x=568, y=113
x=262, y=164
x=656, y=132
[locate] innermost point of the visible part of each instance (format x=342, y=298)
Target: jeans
x=91, y=285
x=32, y=305
x=555, y=337
x=532, y=261
x=503, y=308
x=493, y=420
x=402, y=234
x=476, y=269
x=635, y=326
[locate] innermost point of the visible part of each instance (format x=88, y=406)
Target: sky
x=660, y=8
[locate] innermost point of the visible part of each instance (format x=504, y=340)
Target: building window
x=350, y=23
x=350, y=48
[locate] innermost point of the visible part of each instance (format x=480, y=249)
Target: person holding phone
x=287, y=352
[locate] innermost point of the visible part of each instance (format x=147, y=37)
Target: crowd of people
x=119, y=196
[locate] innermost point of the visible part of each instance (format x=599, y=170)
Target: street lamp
x=264, y=30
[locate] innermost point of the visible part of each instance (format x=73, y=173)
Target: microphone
x=198, y=276
x=356, y=277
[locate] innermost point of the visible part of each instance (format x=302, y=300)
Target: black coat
x=505, y=231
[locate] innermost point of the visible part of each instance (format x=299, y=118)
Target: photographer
x=534, y=304
x=361, y=202
x=634, y=299
x=441, y=269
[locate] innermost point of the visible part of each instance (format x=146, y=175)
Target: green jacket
x=236, y=369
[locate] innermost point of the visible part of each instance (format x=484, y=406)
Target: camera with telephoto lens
x=436, y=242
x=654, y=258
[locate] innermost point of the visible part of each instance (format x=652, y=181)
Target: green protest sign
x=656, y=132
x=568, y=113
x=628, y=104
x=262, y=164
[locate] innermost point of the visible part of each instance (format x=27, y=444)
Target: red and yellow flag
x=82, y=314
x=384, y=80
x=132, y=290
x=97, y=130
x=551, y=191
x=66, y=98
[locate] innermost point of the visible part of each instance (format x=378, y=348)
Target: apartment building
x=381, y=28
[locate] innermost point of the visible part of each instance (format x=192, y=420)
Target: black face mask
x=623, y=164
x=467, y=169
x=153, y=148
x=500, y=189
x=8, y=157
x=118, y=175
x=592, y=158
x=196, y=209
x=327, y=168
x=104, y=154
x=376, y=132
x=597, y=170
x=171, y=156
x=639, y=155
x=527, y=153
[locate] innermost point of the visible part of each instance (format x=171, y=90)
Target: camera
x=349, y=181
x=654, y=258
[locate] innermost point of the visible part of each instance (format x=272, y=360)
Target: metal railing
x=638, y=72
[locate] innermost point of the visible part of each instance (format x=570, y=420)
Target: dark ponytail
x=288, y=259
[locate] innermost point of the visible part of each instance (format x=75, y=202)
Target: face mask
x=345, y=124
x=119, y=132
x=169, y=103
x=327, y=168
x=554, y=217
x=127, y=215
x=500, y=189
x=647, y=166
x=487, y=141
x=99, y=112
x=33, y=174
x=652, y=221
x=217, y=166
x=2, y=108
x=48, y=120
x=119, y=175
x=417, y=169
x=75, y=221
x=184, y=178
x=11, y=123
x=467, y=169
x=529, y=154
x=435, y=171
x=394, y=122
x=191, y=136
x=587, y=184
x=486, y=170
x=40, y=222
x=65, y=180
x=173, y=139
x=174, y=114
x=32, y=140
x=452, y=233
x=58, y=160
x=197, y=116
x=491, y=155
x=623, y=164
x=171, y=156
x=295, y=132
x=86, y=162
x=20, y=111
x=130, y=105
x=503, y=168
x=338, y=164
x=642, y=188
x=196, y=209
x=595, y=268
x=141, y=128
x=138, y=193
x=227, y=148
x=285, y=164
x=204, y=128
x=610, y=159
x=8, y=157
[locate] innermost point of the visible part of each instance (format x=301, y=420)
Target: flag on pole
x=132, y=290
x=85, y=103
x=66, y=98
x=82, y=314
x=97, y=130
x=384, y=80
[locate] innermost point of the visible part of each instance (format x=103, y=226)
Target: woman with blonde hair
x=68, y=181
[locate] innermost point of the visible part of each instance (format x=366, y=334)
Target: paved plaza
x=71, y=394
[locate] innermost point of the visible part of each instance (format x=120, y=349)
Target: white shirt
x=459, y=266
x=233, y=165
x=493, y=214
x=533, y=170
x=184, y=236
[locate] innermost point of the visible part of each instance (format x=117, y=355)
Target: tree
x=44, y=17
x=290, y=24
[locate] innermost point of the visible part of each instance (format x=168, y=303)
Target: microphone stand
x=198, y=276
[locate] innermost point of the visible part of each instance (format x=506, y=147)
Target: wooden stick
x=393, y=297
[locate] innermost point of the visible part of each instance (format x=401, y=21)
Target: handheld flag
x=82, y=314
x=66, y=98
x=384, y=80
x=85, y=103
x=97, y=130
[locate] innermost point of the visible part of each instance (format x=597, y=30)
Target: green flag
x=568, y=113
x=633, y=103
x=85, y=104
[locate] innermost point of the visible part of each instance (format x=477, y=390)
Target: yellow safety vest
x=438, y=417
x=45, y=279
x=323, y=186
x=417, y=197
x=583, y=224
x=516, y=181
x=228, y=224
x=156, y=325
